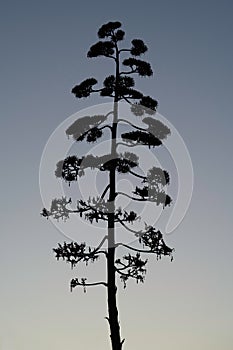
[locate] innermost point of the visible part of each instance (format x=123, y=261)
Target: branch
x=124, y=50
x=134, y=126
x=105, y=126
x=124, y=98
x=137, y=175
x=97, y=90
x=110, y=56
x=133, y=198
x=125, y=144
x=135, y=267
x=75, y=282
x=97, y=211
x=129, y=229
x=100, y=245
x=131, y=72
x=96, y=284
x=95, y=127
x=105, y=191
x=134, y=249
x=74, y=253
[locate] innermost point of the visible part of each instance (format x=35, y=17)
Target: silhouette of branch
x=105, y=191
x=137, y=175
x=126, y=99
x=134, y=249
x=124, y=50
x=96, y=214
x=152, y=239
x=154, y=194
x=157, y=128
x=124, y=216
x=133, y=198
x=138, y=48
x=158, y=197
x=125, y=276
x=130, y=72
x=135, y=267
x=129, y=229
x=93, y=133
x=74, y=253
x=141, y=137
x=75, y=282
x=85, y=125
x=134, y=126
x=101, y=48
x=101, y=243
x=105, y=126
x=143, y=68
x=125, y=144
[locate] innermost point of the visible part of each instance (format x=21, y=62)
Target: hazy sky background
x=184, y=304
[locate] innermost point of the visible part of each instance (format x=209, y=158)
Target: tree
x=119, y=87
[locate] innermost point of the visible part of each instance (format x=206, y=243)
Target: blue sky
x=184, y=304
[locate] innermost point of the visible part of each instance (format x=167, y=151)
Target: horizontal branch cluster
x=85, y=88
x=152, y=194
x=138, y=66
x=153, y=191
x=86, y=127
x=98, y=209
x=58, y=209
x=74, y=253
x=123, y=163
x=94, y=209
x=131, y=266
x=141, y=138
x=73, y=167
x=153, y=239
x=146, y=105
x=157, y=128
x=157, y=177
x=102, y=48
x=123, y=88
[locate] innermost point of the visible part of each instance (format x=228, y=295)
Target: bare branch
x=137, y=175
x=133, y=198
x=134, y=249
x=130, y=72
x=125, y=144
x=96, y=284
x=126, y=99
x=129, y=229
x=75, y=282
x=105, y=191
x=109, y=56
x=124, y=50
x=134, y=126
x=101, y=244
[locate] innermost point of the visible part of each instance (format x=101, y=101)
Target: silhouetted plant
x=120, y=87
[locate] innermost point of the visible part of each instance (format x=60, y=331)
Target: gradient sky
x=184, y=304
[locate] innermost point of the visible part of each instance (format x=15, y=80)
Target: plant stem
x=111, y=273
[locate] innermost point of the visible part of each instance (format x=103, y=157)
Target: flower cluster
x=131, y=266
x=157, y=128
x=142, y=138
x=154, y=195
x=153, y=239
x=82, y=126
x=73, y=253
